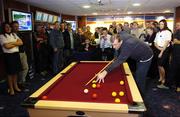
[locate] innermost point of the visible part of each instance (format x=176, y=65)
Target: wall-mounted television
x=73, y=24
x=38, y=16
x=45, y=17
x=59, y=19
x=24, y=19
x=55, y=18
x=50, y=19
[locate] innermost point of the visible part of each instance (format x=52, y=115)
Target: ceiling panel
x=74, y=7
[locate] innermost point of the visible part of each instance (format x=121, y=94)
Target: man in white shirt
x=105, y=45
x=23, y=57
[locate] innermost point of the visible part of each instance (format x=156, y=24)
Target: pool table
x=63, y=95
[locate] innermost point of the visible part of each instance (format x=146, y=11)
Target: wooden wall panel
x=81, y=21
x=13, y=5
x=34, y=9
x=68, y=17
x=177, y=16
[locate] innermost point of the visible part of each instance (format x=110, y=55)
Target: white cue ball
x=86, y=90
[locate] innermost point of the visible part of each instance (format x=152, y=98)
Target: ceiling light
x=94, y=13
x=167, y=11
x=129, y=12
x=136, y=4
x=118, y=9
x=86, y=6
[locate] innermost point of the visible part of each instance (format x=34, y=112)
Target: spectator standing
x=23, y=57
x=162, y=44
x=151, y=35
x=174, y=74
x=126, y=27
x=10, y=43
x=41, y=50
x=105, y=45
x=136, y=30
x=57, y=43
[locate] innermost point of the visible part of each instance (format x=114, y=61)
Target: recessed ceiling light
x=136, y=4
x=118, y=9
x=86, y=6
x=94, y=13
x=167, y=11
x=129, y=12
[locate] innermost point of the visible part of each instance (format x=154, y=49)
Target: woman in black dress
x=10, y=43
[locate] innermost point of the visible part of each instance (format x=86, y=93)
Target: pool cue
x=99, y=72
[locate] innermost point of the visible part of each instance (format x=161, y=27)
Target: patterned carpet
x=159, y=102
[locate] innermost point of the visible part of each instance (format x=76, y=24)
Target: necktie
x=103, y=44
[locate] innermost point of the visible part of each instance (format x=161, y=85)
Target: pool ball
x=44, y=97
x=86, y=90
x=121, y=93
x=121, y=82
x=117, y=100
x=114, y=94
x=94, y=95
x=93, y=85
x=94, y=81
x=98, y=85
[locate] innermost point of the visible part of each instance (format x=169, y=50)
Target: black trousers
x=42, y=58
x=68, y=56
x=173, y=76
x=107, y=54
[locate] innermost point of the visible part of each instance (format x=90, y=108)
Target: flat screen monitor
x=23, y=18
x=50, y=18
x=45, y=17
x=38, y=16
x=59, y=19
x=73, y=24
x=55, y=18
